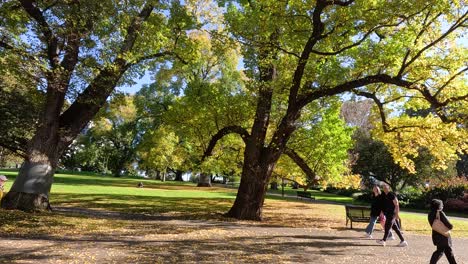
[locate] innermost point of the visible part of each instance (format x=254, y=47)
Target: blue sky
x=132, y=89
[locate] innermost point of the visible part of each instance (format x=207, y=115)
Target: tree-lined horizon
x=204, y=114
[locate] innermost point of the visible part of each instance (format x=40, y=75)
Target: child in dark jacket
x=443, y=243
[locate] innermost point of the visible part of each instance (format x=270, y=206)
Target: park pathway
x=201, y=241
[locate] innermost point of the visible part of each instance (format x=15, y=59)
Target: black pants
x=440, y=251
x=390, y=223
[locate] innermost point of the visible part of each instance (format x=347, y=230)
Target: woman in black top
x=391, y=209
x=376, y=208
x=443, y=243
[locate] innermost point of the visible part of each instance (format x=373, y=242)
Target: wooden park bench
x=357, y=213
x=302, y=194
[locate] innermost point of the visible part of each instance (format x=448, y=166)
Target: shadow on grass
x=143, y=204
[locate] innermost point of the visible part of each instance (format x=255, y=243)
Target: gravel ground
x=223, y=242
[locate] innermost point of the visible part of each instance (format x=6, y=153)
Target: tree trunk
x=259, y=163
x=204, y=180
x=30, y=190
x=251, y=194
x=274, y=186
x=117, y=172
x=157, y=175
x=178, y=175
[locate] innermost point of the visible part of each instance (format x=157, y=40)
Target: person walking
x=391, y=209
x=443, y=243
x=376, y=211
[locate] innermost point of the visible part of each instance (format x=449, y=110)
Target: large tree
x=207, y=94
x=298, y=52
x=110, y=142
x=83, y=50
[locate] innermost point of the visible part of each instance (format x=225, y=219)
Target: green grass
x=175, y=200
x=319, y=195
x=121, y=194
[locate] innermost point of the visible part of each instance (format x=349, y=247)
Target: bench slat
x=357, y=213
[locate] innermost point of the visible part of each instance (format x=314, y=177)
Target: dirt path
x=192, y=241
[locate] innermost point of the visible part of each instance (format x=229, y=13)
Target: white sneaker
x=391, y=238
x=403, y=244
x=381, y=242
x=367, y=235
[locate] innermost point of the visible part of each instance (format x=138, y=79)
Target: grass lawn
x=170, y=200
x=318, y=195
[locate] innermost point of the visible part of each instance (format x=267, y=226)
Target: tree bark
x=30, y=190
x=178, y=175
x=204, y=180
x=251, y=194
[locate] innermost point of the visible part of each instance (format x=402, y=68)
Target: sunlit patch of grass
x=318, y=195
x=17, y=223
x=299, y=214
x=419, y=224
x=137, y=209
x=330, y=216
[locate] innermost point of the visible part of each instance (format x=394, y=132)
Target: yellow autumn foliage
x=443, y=141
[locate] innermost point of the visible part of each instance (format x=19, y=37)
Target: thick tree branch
x=220, y=134
x=340, y=3
x=359, y=42
x=72, y=48
x=301, y=163
x=14, y=149
x=348, y=86
x=75, y=118
x=317, y=30
x=380, y=106
x=154, y=56
x=135, y=26
x=49, y=37
x=437, y=105
x=68, y=63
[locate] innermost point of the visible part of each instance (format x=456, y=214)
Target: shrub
x=445, y=193
x=412, y=197
x=366, y=196
x=341, y=191
x=451, y=192
x=458, y=205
